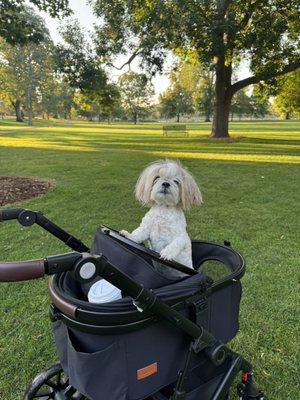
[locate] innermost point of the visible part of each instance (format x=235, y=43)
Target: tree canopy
x=24, y=69
x=221, y=32
x=287, y=101
x=76, y=60
x=17, y=26
x=137, y=92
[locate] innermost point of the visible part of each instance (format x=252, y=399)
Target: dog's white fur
x=168, y=189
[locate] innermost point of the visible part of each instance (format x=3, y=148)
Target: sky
x=85, y=16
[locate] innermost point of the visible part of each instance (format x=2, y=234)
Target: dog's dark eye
x=155, y=179
x=176, y=181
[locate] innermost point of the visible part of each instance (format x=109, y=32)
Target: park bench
x=179, y=128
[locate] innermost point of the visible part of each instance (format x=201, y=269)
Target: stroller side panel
x=223, y=307
x=113, y=365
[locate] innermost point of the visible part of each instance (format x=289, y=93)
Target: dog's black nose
x=165, y=184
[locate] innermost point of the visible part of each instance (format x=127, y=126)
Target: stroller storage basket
x=121, y=344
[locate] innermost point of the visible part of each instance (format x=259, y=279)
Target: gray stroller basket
x=164, y=339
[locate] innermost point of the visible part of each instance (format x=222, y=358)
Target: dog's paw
x=167, y=254
x=124, y=233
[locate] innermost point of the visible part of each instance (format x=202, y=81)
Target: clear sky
x=83, y=12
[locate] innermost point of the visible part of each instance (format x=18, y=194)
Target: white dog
x=168, y=189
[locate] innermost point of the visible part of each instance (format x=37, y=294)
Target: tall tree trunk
x=223, y=99
x=178, y=117
x=17, y=107
x=29, y=89
x=30, y=111
x=221, y=116
x=223, y=87
x=287, y=115
x=135, y=117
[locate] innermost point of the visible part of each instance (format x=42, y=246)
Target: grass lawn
x=251, y=197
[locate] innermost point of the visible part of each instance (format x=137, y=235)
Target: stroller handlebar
x=21, y=270
x=28, y=218
x=9, y=214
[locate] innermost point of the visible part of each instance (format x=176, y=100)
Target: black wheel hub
x=52, y=384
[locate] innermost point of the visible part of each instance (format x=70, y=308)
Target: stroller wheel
x=52, y=384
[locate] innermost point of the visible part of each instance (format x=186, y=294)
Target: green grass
x=251, y=197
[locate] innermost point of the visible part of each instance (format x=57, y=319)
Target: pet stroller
x=164, y=339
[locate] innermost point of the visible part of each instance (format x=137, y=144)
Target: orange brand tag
x=146, y=371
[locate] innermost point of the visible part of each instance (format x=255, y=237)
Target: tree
x=79, y=66
x=221, y=32
x=109, y=100
x=85, y=106
x=259, y=105
x=198, y=81
x=76, y=60
x=240, y=104
x=56, y=98
x=102, y=105
x=205, y=94
x=23, y=68
x=287, y=101
x=16, y=26
x=136, y=94
x=175, y=102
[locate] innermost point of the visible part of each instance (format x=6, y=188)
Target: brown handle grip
x=22, y=270
x=68, y=309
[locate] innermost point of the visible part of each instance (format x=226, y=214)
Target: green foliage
x=24, y=70
x=219, y=32
x=80, y=67
x=287, y=102
x=56, y=98
x=18, y=26
x=109, y=101
x=240, y=104
x=253, y=106
x=136, y=94
x=175, y=102
x=210, y=28
x=76, y=61
x=198, y=80
x=259, y=106
x=103, y=105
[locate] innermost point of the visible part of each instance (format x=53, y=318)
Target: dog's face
x=167, y=183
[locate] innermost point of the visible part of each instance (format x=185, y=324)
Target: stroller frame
x=143, y=299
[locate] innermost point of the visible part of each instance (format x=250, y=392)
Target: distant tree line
x=71, y=79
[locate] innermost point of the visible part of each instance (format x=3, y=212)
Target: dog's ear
x=190, y=192
x=144, y=184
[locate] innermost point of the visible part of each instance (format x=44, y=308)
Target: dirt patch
x=17, y=188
